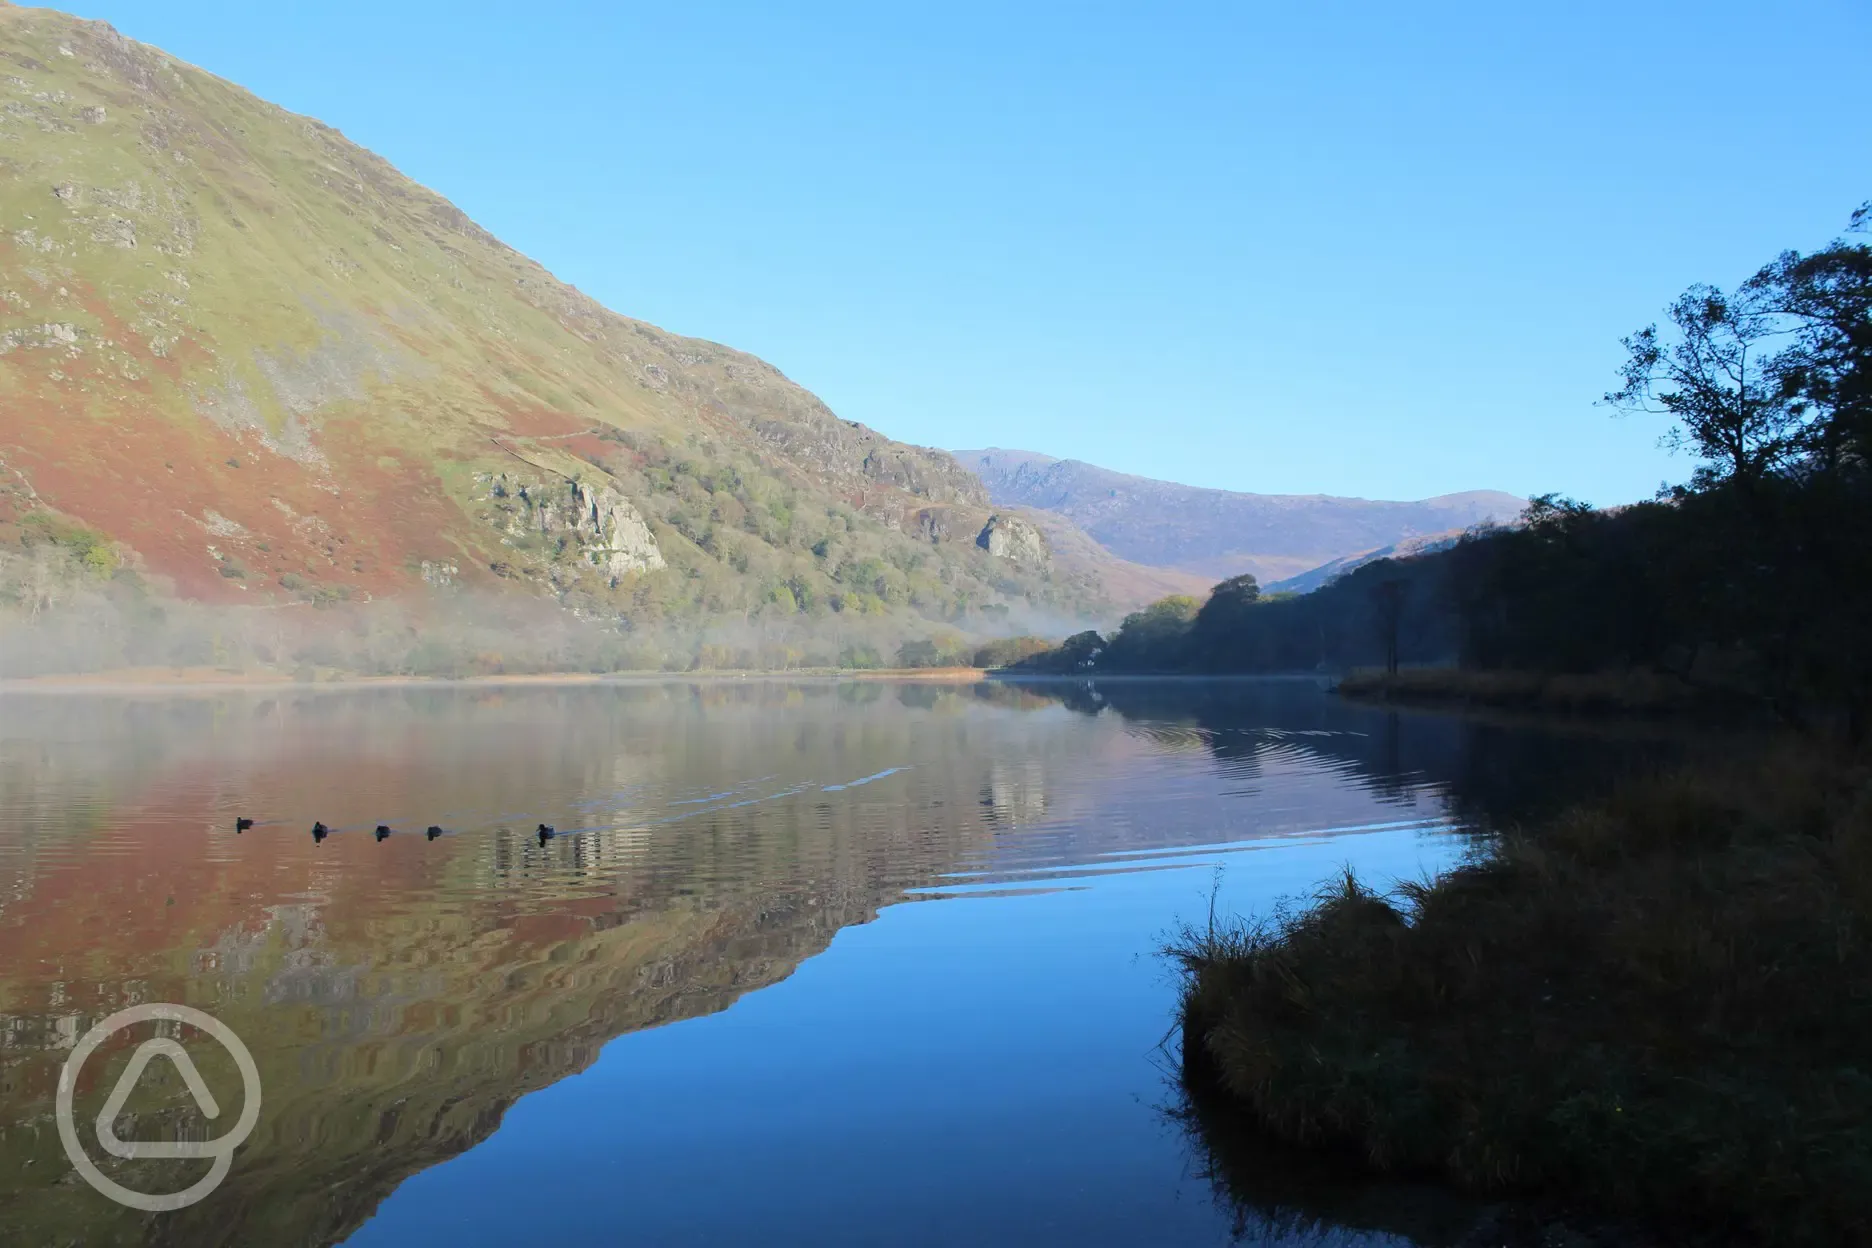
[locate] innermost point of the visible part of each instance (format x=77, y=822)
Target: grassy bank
x=1658, y=1007
x=1634, y=691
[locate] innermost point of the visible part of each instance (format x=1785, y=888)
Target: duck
x=320, y=831
x=383, y=830
x=546, y=833
x=242, y=823
x=434, y=831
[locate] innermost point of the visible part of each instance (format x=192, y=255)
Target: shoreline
x=205, y=679
x=1634, y=694
x=211, y=680
x=1011, y=677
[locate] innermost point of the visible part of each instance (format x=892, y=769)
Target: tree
x=1827, y=299
x=1081, y=650
x=1174, y=610
x=919, y=653
x=1388, y=601
x=1721, y=380
x=1223, y=620
x=1774, y=378
x=1004, y=651
x=1152, y=639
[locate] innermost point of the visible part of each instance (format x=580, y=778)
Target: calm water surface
x=828, y=963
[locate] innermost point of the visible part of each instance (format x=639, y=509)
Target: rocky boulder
x=600, y=523
x=1016, y=540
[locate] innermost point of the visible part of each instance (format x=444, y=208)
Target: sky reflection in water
x=808, y=962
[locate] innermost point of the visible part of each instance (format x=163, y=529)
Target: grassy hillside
x=1216, y=534
x=244, y=360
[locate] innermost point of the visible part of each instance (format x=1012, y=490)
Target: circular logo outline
x=221, y=1150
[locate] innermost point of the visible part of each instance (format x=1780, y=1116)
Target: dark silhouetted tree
x=1081, y=650
x=1721, y=378
x=1223, y=622
x=1388, y=603
x=1826, y=299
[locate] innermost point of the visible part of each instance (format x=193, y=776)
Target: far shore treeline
x=1751, y=581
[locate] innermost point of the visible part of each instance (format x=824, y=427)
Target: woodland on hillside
x=741, y=599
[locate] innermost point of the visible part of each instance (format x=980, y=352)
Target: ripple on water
x=728, y=860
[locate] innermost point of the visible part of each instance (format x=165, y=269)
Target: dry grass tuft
x=1659, y=1006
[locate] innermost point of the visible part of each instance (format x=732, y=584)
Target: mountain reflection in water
x=400, y=995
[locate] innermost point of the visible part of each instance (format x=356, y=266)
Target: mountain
x=243, y=360
x=1126, y=585
x=1219, y=533
x=1330, y=571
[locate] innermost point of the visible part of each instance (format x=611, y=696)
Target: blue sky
x=1373, y=249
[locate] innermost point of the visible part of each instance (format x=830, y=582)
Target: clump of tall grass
x=1658, y=1006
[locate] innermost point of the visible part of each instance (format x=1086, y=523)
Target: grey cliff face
x=597, y=521
x=1016, y=540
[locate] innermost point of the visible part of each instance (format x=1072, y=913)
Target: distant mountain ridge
x=1221, y=533
x=1327, y=573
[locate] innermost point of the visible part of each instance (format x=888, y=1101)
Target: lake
x=827, y=962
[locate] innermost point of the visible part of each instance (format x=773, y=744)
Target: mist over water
x=461, y=633
x=821, y=961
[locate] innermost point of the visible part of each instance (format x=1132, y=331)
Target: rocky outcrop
x=596, y=521
x=810, y=435
x=439, y=573
x=1016, y=540
x=932, y=524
